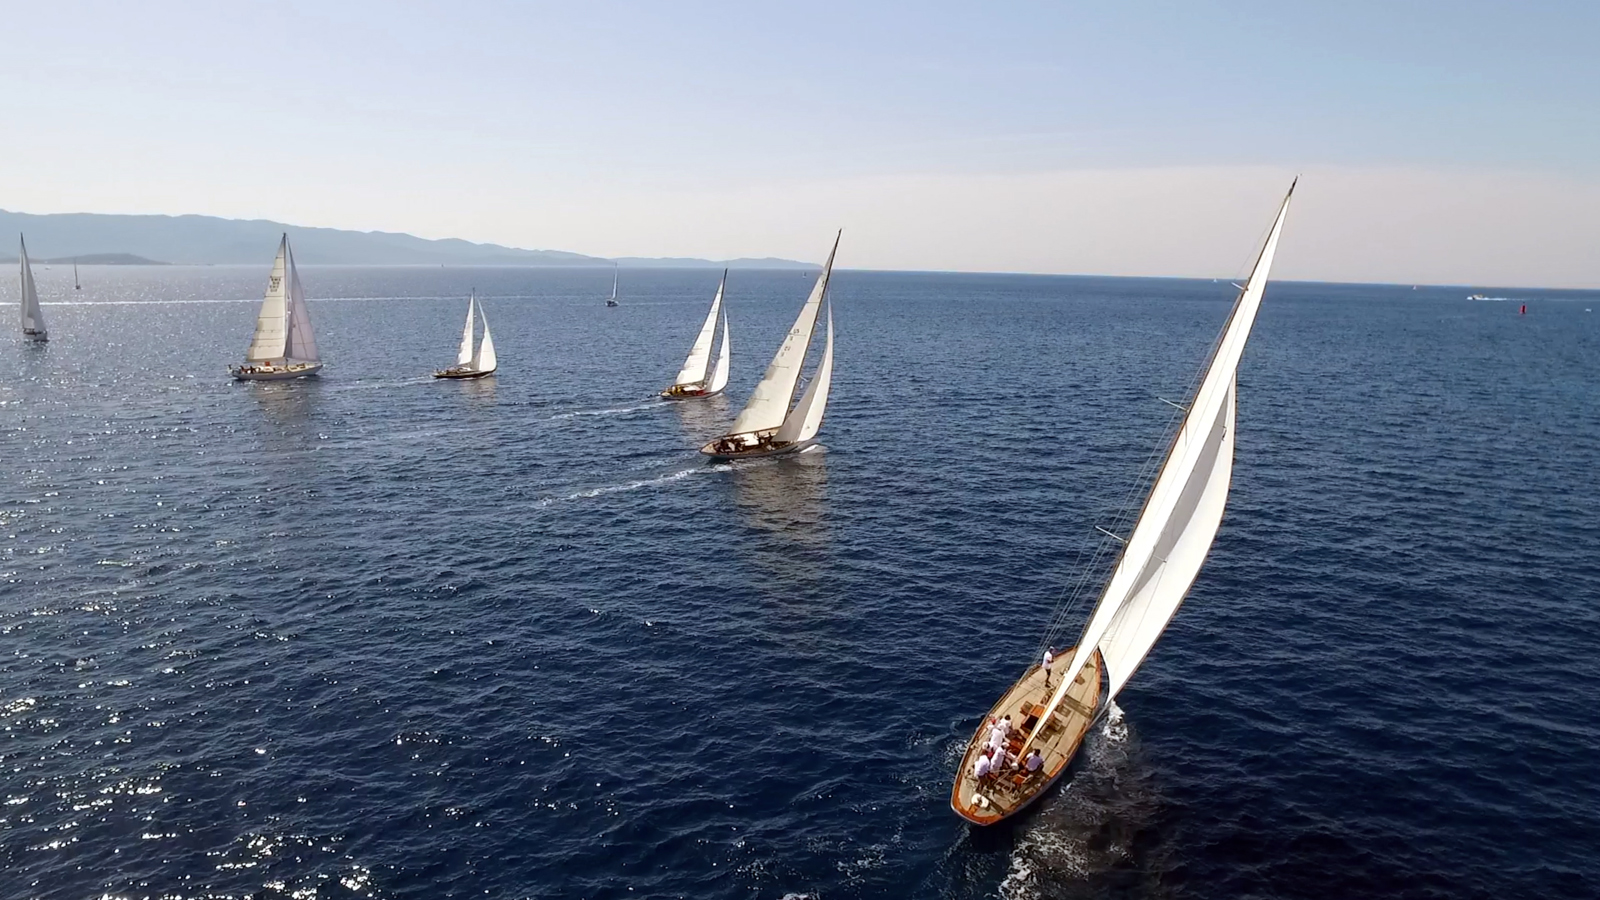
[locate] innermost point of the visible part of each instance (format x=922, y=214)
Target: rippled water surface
x=374, y=635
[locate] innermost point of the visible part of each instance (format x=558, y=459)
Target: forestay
x=1183, y=511
x=694, y=367
x=769, y=403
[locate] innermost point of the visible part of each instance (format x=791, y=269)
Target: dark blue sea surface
x=374, y=635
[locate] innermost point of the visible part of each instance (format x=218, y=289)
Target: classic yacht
x=767, y=426
x=697, y=378
x=283, y=346
x=473, y=362
x=1157, y=564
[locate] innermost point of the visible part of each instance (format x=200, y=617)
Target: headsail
x=695, y=366
x=301, y=343
x=271, y=328
x=485, y=360
x=769, y=403
x=1183, y=511
x=32, y=316
x=464, y=352
x=719, y=375
x=806, y=419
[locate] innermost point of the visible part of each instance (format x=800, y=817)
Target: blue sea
x=377, y=636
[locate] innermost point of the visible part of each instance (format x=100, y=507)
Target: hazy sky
x=1454, y=142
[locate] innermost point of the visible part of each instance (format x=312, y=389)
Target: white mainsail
x=719, y=375
x=769, y=403
x=615, y=271
x=32, y=316
x=485, y=360
x=695, y=366
x=464, y=352
x=806, y=418
x=1181, y=515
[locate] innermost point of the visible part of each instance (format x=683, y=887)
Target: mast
x=1183, y=509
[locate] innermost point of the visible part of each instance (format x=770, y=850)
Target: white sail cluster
x=472, y=355
x=283, y=327
x=768, y=408
x=33, y=326
x=698, y=364
x=1181, y=515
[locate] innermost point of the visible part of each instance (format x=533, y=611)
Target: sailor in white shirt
x=980, y=769
x=1034, y=762
x=1049, y=659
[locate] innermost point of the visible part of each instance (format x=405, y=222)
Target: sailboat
x=76, y=284
x=33, y=327
x=1156, y=566
x=697, y=378
x=767, y=426
x=615, y=270
x=473, y=362
x=283, y=346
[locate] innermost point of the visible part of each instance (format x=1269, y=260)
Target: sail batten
x=1182, y=512
x=769, y=402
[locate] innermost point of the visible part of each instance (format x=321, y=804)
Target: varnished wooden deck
x=998, y=798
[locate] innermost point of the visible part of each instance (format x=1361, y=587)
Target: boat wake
x=619, y=411
x=1087, y=828
x=658, y=481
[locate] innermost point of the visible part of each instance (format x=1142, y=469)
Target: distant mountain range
x=207, y=240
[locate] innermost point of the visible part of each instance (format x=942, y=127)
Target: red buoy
x=1524, y=310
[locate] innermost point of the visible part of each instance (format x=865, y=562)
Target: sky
x=1437, y=142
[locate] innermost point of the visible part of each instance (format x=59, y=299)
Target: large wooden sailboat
x=767, y=426
x=698, y=378
x=473, y=362
x=283, y=346
x=1157, y=564
x=33, y=327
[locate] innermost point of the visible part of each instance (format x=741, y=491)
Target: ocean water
x=378, y=636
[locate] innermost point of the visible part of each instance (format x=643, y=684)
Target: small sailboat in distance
x=615, y=270
x=1040, y=726
x=697, y=378
x=767, y=426
x=33, y=327
x=283, y=346
x=473, y=362
x=76, y=284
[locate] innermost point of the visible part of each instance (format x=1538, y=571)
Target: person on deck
x=1033, y=763
x=1049, y=660
x=980, y=769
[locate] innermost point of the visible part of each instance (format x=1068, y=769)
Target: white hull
x=275, y=373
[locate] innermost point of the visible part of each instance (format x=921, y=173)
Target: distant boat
x=76, y=284
x=33, y=327
x=1476, y=297
x=614, y=272
x=283, y=346
x=694, y=381
x=767, y=426
x=473, y=363
x=1158, y=562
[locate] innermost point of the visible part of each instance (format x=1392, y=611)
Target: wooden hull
x=470, y=373
x=754, y=452
x=668, y=395
x=1000, y=798
x=275, y=373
